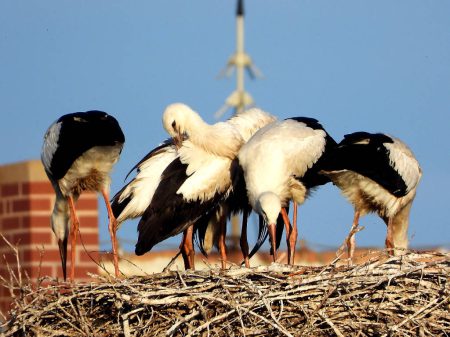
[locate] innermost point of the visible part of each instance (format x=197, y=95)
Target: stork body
x=78, y=155
x=376, y=173
x=280, y=164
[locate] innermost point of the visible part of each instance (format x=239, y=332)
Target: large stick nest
x=395, y=296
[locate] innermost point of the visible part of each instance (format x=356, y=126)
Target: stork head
x=268, y=206
x=177, y=120
x=60, y=226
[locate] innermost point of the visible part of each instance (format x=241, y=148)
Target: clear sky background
x=377, y=66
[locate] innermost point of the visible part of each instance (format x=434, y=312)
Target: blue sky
x=379, y=66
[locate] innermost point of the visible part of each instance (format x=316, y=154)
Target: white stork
x=220, y=139
x=200, y=178
x=78, y=154
x=376, y=173
x=280, y=162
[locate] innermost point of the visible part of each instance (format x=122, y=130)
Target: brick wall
x=26, y=202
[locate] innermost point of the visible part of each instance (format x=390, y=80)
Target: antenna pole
x=241, y=61
x=240, y=56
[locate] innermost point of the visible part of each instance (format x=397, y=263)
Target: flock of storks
x=204, y=173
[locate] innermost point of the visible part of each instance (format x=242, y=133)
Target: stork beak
x=178, y=139
x=63, y=253
x=273, y=240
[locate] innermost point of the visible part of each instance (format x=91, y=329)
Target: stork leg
x=289, y=230
x=222, y=237
x=389, y=237
x=187, y=248
x=112, y=227
x=243, y=240
x=350, y=240
x=183, y=249
x=74, y=227
x=294, y=233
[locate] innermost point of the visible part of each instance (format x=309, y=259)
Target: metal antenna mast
x=239, y=99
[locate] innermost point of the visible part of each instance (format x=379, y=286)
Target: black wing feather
x=169, y=214
x=157, y=150
x=369, y=158
x=81, y=131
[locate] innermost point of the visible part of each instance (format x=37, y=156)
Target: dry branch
x=396, y=296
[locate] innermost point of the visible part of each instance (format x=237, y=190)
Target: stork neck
x=197, y=129
x=219, y=139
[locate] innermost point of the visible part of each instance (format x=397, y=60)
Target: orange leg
x=389, y=241
x=351, y=242
x=187, y=248
x=184, y=254
x=112, y=227
x=190, y=247
x=289, y=231
x=222, y=243
x=293, y=235
x=243, y=241
x=74, y=227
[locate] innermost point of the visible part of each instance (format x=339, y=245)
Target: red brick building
x=26, y=202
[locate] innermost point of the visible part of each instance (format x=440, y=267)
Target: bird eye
x=174, y=124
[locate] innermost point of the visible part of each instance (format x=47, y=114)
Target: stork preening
x=376, y=173
x=220, y=139
x=200, y=176
x=281, y=163
x=78, y=155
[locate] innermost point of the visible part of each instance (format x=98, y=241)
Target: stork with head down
x=281, y=163
x=376, y=173
x=78, y=154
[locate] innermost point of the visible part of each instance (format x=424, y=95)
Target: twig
x=331, y=324
x=171, y=262
x=205, y=325
x=183, y=320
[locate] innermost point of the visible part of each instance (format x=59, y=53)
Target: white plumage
x=277, y=154
x=403, y=161
x=208, y=174
x=221, y=139
x=274, y=162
